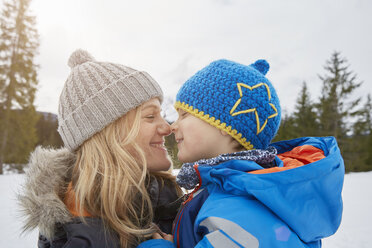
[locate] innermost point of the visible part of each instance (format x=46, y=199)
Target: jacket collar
x=47, y=177
x=188, y=178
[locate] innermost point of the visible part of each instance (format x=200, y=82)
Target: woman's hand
x=163, y=236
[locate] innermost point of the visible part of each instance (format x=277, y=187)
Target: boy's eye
x=184, y=114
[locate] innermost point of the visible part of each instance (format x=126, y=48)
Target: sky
x=173, y=39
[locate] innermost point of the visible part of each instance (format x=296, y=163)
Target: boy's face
x=196, y=139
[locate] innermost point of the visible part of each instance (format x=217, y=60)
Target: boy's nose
x=173, y=126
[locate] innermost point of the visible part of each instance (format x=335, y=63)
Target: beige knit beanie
x=98, y=93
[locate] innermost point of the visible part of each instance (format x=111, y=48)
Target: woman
x=111, y=181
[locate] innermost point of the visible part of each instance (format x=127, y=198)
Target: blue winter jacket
x=295, y=206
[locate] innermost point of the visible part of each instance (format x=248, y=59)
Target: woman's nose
x=164, y=128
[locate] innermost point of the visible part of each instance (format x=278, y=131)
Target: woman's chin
x=160, y=165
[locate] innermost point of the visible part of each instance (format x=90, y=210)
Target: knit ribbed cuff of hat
x=108, y=105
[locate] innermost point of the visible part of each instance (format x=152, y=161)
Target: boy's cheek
x=180, y=125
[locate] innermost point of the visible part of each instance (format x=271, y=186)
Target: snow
x=354, y=231
x=10, y=216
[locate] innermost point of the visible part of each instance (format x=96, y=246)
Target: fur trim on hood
x=47, y=176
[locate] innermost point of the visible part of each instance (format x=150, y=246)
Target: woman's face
x=153, y=129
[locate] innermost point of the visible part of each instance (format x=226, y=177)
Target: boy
x=247, y=193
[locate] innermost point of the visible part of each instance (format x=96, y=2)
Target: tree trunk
x=2, y=149
x=1, y=164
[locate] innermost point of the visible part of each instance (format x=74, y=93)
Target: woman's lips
x=158, y=145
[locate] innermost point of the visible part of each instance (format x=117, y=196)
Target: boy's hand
x=163, y=236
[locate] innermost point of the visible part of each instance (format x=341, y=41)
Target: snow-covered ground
x=355, y=230
x=11, y=225
x=356, y=225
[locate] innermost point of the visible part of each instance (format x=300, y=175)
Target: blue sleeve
x=204, y=243
x=222, y=232
x=156, y=243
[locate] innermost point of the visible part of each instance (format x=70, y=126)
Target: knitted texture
x=236, y=98
x=189, y=179
x=97, y=93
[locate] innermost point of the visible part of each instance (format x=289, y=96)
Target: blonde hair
x=110, y=177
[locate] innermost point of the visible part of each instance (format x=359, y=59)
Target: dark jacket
x=41, y=201
x=77, y=234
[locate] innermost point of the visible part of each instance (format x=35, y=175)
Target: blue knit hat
x=235, y=98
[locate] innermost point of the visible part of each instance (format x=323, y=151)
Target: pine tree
x=304, y=116
x=334, y=107
x=287, y=129
x=368, y=148
x=363, y=126
x=361, y=140
x=47, y=131
x=18, y=79
x=23, y=138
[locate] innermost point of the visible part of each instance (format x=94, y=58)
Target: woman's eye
x=150, y=116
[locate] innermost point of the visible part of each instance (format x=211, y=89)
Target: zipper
x=189, y=198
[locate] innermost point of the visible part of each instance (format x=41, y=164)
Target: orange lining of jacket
x=71, y=202
x=294, y=158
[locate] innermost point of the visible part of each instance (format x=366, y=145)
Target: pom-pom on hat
x=96, y=94
x=236, y=98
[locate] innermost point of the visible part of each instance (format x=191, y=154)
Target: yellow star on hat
x=233, y=113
